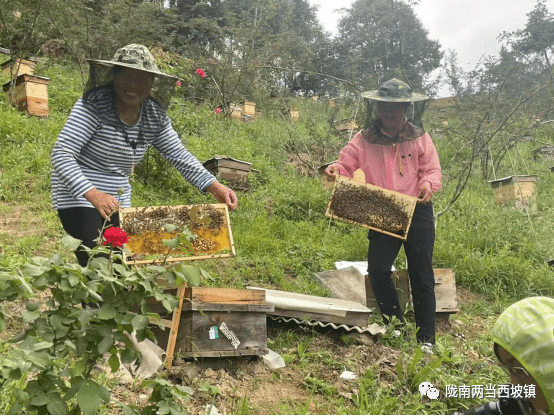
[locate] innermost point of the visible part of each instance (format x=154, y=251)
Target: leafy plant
x=89, y=315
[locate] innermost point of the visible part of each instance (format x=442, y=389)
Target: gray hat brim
x=111, y=64
x=374, y=95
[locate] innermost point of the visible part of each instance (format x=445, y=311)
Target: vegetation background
x=275, y=54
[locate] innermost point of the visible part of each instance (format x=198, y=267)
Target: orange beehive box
x=28, y=93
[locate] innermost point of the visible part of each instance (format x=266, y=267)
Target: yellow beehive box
x=236, y=112
x=294, y=114
x=372, y=207
x=249, y=108
x=145, y=227
x=15, y=67
x=517, y=190
x=28, y=93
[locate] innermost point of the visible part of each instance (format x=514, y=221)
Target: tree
x=382, y=39
x=538, y=35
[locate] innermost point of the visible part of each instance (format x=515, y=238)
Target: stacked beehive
x=26, y=91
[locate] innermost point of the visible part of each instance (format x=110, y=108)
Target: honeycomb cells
x=370, y=207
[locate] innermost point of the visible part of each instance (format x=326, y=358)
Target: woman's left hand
x=425, y=193
x=223, y=195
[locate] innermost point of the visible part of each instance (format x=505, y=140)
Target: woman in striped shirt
x=107, y=133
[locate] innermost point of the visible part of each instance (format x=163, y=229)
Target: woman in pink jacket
x=396, y=153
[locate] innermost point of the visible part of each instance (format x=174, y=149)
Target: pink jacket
x=401, y=167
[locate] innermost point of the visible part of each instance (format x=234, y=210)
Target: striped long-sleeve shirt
x=95, y=149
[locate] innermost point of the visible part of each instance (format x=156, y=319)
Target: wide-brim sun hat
x=133, y=56
x=394, y=90
x=526, y=330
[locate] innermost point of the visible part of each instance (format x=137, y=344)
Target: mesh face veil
x=396, y=91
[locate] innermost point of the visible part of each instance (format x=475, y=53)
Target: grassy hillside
x=282, y=238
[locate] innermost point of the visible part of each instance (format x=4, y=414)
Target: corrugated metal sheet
x=373, y=329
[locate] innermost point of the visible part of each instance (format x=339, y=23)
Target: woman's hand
x=425, y=193
x=105, y=204
x=332, y=172
x=223, y=195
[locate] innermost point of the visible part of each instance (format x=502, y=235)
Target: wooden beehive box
x=234, y=171
x=249, y=108
x=546, y=152
x=445, y=290
x=29, y=93
x=294, y=114
x=213, y=318
x=144, y=225
x=517, y=190
x=372, y=207
x=15, y=67
x=236, y=112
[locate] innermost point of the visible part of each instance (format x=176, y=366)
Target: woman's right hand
x=105, y=204
x=332, y=172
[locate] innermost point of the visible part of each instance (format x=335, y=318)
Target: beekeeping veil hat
x=526, y=330
x=395, y=91
x=137, y=57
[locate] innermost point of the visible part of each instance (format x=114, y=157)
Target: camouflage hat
x=394, y=90
x=137, y=57
x=132, y=56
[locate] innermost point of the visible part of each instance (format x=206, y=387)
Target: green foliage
x=89, y=314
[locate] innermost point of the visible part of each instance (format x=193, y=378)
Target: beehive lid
x=30, y=62
x=145, y=227
x=372, y=207
x=511, y=179
x=227, y=162
x=26, y=78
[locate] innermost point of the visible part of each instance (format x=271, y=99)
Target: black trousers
x=85, y=224
x=383, y=250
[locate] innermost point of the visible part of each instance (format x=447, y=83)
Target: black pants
x=84, y=224
x=383, y=250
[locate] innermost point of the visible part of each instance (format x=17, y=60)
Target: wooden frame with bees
x=372, y=207
x=145, y=228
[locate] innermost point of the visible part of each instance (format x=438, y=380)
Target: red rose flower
x=115, y=236
x=218, y=110
x=178, y=84
x=200, y=72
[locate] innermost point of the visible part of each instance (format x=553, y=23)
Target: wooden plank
x=445, y=290
x=401, y=283
x=226, y=307
x=174, y=328
x=225, y=295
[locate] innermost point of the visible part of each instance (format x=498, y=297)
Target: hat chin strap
x=93, y=75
